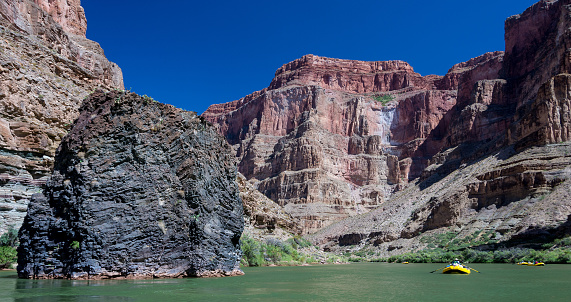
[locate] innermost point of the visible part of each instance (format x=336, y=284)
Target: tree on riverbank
x=272, y=251
x=8, y=244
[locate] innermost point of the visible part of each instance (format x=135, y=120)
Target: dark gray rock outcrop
x=140, y=189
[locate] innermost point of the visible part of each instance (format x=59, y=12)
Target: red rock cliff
x=502, y=161
x=318, y=142
x=47, y=67
x=332, y=138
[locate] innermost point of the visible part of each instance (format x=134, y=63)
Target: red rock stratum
x=331, y=139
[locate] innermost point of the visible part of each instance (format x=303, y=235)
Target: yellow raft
x=531, y=263
x=456, y=269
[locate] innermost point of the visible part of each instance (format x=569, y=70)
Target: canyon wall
x=332, y=138
x=140, y=189
x=504, y=167
x=473, y=149
x=47, y=67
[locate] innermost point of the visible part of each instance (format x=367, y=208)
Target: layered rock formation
x=262, y=214
x=481, y=145
x=47, y=67
x=515, y=197
x=139, y=190
x=334, y=138
x=505, y=160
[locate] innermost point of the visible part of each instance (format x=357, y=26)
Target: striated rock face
x=319, y=143
x=47, y=67
x=480, y=146
x=548, y=120
x=349, y=75
x=139, y=190
x=504, y=165
x=537, y=47
x=68, y=13
x=517, y=197
x=262, y=215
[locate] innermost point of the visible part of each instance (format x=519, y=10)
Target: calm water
x=352, y=282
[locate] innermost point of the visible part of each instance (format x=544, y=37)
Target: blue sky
x=195, y=53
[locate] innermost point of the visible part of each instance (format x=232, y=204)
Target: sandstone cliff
x=140, y=189
x=47, y=67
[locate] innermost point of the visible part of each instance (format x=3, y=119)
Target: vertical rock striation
x=47, y=66
x=139, y=190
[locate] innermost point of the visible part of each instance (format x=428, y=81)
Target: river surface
x=351, y=282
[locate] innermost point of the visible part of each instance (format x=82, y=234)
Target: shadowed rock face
x=139, y=190
x=47, y=67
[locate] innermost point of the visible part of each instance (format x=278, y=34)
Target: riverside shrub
x=272, y=251
x=8, y=255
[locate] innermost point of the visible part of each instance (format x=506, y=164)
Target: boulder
x=140, y=189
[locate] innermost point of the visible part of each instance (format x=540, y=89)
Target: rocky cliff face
x=262, y=214
x=504, y=163
x=47, y=67
x=139, y=190
x=334, y=138
x=476, y=145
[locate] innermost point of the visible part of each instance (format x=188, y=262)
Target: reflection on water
x=353, y=282
x=62, y=298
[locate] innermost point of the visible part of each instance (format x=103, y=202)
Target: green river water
x=351, y=282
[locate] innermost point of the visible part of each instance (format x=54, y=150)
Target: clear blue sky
x=195, y=53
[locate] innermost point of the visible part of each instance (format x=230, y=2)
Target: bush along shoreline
x=514, y=255
x=8, y=244
x=291, y=252
x=555, y=252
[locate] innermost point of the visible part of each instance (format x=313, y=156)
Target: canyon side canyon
x=372, y=154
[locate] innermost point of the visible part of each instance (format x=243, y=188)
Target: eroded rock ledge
x=140, y=189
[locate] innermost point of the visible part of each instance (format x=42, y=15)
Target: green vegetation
x=8, y=244
x=558, y=255
x=8, y=255
x=383, y=99
x=272, y=251
x=449, y=241
x=74, y=245
x=445, y=247
x=276, y=252
x=10, y=238
x=148, y=99
x=299, y=242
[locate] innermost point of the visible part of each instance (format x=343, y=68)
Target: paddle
x=438, y=269
x=474, y=270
